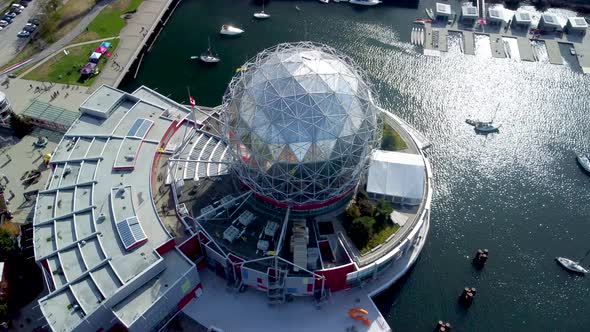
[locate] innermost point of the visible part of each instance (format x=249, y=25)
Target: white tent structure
x=397, y=177
x=94, y=57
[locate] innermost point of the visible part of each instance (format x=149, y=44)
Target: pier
x=438, y=32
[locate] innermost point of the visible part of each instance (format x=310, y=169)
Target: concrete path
x=553, y=52
x=132, y=39
x=20, y=94
x=10, y=44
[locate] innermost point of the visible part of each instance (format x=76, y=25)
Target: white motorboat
x=422, y=37
x=365, y=2
x=324, y=1
x=413, y=36
x=261, y=15
x=230, y=30
x=584, y=161
x=570, y=265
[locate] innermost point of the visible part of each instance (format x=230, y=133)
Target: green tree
x=20, y=124
x=361, y=230
x=382, y=212
x=3, y=310
x=7, y=246
x=352, y=212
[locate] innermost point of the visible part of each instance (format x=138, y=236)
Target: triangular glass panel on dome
x=275, y=150
x=326, y=146
x=300, y=149
x=287, y=155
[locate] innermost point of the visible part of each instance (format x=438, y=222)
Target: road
x=10, y=44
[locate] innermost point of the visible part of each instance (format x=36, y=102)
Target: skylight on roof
x=139, y=128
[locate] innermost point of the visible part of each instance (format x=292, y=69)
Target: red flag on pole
x=192, y=101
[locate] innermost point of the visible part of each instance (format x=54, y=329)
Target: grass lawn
x=391, y=140
x=65, y=68
x=380, y=237
x=109, y=22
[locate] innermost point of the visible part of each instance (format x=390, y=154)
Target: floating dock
x=437, y=34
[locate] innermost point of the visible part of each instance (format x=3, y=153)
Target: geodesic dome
x=300, y=121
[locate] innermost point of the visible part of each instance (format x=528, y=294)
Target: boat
x=297, y=8
x=430, y=13
x=261, y=15
x=584, y=161
x=324, y=1
x=413, y=36
x=208, y=56
x=365, y=2
x=230, y=30
x=486, y=127
x=570, y=265
x=422, y=37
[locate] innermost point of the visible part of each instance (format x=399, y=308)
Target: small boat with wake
x=208, y=56
x=571, y=265
x=584, y=161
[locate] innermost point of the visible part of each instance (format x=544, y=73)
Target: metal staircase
x=276, y=288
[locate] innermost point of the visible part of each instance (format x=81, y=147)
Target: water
x=518, y=193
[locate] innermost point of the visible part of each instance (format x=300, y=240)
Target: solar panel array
x=139, y=128
x=130, y=232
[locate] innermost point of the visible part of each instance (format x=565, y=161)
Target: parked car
x=24, y=3
x=10, y=14
x=17, y=6
x=7, y=19
x=34, y=21
x=30, y=28
x=3, y=24
x=24, y=34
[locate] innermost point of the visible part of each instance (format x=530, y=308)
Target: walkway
x=132, y=40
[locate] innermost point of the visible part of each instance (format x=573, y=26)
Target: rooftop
x=443, y=9
x=469, y=11
x=496, y=14
x=523, y=17
x=53, y=114
x=550, y=19
x=578, y=22
x=80, y=216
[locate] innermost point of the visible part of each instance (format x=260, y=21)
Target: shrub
x=7, y=246
x=21, y=125
x=352, y=212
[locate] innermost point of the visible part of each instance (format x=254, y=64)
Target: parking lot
x=10, y=44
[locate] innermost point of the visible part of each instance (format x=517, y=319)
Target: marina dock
x=553, y=52
x=468, y=42
x=501, y=47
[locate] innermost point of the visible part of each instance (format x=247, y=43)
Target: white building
x=469, y=14
x=396, y=177
x=549, y=22
x=522, y=19
x=576, y=24
x=496, y=15
x=443, y=11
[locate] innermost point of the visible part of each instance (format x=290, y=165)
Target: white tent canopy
x=400, y=176
x=95, y=56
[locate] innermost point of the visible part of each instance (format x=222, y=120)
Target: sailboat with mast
x=486, y=127
x=572, y=265
x=208, y=56
x=262, y=14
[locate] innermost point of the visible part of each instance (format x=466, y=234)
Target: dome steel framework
x=301, y=123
